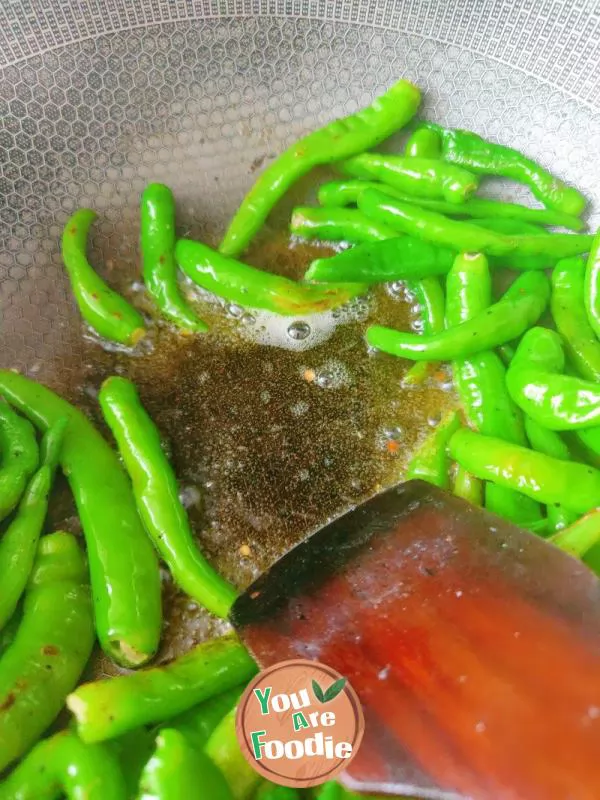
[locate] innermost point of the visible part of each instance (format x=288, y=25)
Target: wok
x=99, y=98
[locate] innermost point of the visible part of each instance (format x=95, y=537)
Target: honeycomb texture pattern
x=98, y=98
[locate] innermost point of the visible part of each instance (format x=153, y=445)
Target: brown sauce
x=265, y=447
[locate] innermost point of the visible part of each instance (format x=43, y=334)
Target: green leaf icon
x=334, y=690
x=318, y=692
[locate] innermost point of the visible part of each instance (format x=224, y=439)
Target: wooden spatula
x=474, y=647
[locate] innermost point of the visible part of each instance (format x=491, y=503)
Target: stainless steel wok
x=98, y=98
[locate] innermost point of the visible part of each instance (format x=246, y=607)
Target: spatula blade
x=474, y=647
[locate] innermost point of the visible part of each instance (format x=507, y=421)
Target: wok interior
x=265, y=452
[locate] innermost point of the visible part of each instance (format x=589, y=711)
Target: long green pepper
x=549, y=442
x=400, y=258
x=471, y=151
x=467, y=486
x=590, y=438
x=582, y=539
x=157, y=496
x=198, y=723
x=510, y=226
x=430, y=461
x=567, y=304
x=480, y=380
x=177, y=771
x=556, y=401
x=271, y=791
x=466, y=236
x=240, y=283
x=51, y=646
x=158, y=257
x=19, y=542
x=62, y=766
x=346, y=192
x=123, y=565
x=336, y=141
x=536, y=475
x=223, y=748
x=592, y=285
x=107, y=708
x=337, y=225
x=515, y=507
x=103, y=309
x=423, y=143
x=430, y=296
x=509, y=318
x=20, y=457
x=418, y=177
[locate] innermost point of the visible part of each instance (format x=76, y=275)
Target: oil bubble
x=299, y=330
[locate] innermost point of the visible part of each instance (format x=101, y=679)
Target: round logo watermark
x=299, y=723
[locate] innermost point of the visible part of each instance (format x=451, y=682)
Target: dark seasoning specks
x=266, y=448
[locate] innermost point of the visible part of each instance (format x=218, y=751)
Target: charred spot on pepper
x=8, y=701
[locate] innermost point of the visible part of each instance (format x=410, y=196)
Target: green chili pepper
x=176, y=771
x=510, y=226
x=395, y=259
x=559, y=402
x=468, y=487
x=536, y=475
x=133, y=751
x=63, y=766
x=335, y=791
x=506, y=353
x=468, y=288
x=223, y=748
x=418, y=177
x=402, y=258
x=19, y=542
x=198, y=723
x=123, y=565
x=252, y=287
x=590, y=438
x=330, y=791
x=430, y=296
x=157, y=496
x=581, y=537
x=105, y=709
x=546, y=441
x=52, y=443
x=20, y=457
x=9, y=631
x=592, y=285
x=109, y=314
x=469, y=150
x=336, y=141
x=467, y=236
x=337, y=225
x=567, y=303
x=50, y=649
x=549, y=442
x=513, y=506
x=480, y=381
x=346, y=192
x=560, y=517
x=270, y=791
x=430, y=462
x=158, y=262
x=424, y=143
x=507, y=319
